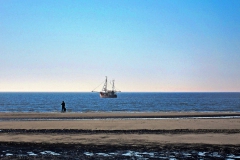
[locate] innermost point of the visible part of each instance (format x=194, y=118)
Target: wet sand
x=92, y=115
x=154, y=130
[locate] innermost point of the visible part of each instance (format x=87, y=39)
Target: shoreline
x=116, y=114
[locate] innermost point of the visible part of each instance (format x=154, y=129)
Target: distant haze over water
x=126, y=102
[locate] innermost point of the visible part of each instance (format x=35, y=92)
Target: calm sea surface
x=126, y=102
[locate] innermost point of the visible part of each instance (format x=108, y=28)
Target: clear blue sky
x=145, y=45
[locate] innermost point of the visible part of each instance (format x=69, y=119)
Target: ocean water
x=126, y=102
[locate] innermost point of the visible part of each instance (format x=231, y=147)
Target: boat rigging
x=105, y=93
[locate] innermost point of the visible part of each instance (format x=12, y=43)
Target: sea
x=125, y=102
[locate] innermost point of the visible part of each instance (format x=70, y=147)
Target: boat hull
x=108, y=95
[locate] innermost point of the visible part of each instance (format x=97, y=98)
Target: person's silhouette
x=63, y=107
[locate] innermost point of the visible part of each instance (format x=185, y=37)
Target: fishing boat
x=105, y=93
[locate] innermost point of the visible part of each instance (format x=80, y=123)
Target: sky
x=144, y=45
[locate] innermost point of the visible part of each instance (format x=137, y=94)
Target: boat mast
x=105, y=86
x=113, y=87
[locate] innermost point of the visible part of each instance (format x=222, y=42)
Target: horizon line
x=121, y=92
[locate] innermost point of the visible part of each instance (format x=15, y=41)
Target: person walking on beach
x=63, y=106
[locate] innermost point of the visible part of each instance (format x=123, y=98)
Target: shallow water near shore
x=129, y=154
x=126, y=102
x=109, y=152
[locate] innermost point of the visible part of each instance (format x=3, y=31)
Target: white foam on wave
x=103, y=154
x=9, y=154
x=88, y=153
x=50, y=152
x=202, y=153
x=31, y=154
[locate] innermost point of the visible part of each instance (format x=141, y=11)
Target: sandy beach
x=122, y=129
x=175, y=128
